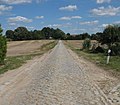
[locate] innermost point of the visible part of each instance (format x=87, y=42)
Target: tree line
x=22, y=33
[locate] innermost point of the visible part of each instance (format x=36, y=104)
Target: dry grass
x=17, y=58
x=97, y=58
x=77, y=44
x=16, y=48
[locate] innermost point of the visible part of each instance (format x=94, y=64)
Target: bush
x=99, y=50
x=3, y=47
x=87, y=44
x=115, y=49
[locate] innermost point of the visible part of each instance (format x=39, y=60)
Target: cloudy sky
x=73, y=16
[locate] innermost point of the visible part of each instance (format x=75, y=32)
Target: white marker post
x=108, y=57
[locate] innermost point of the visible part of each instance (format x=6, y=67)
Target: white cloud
x=5, y=8
x=89, y=22
x=19, y=19
x=103, y=1
x=69, y=18
x=54, y=25
x=65, y=18
x=104, y=25
x=109, y=11
x=12, y=24
x=39, y=1
x=29, y=28
x=69, y=8
x=117, y=22
x=15, y=1
x=76, y=17
x=59, y=25
x=39, y=17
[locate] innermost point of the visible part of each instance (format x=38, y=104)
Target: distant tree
x=47, y=32
x=68, y=34
x=58, y=34
x=85, y=35
x=94, y=37
x=21, y=33
x=9, y=34
x=99, y=36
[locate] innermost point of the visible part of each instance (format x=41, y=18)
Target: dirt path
x=55, y=79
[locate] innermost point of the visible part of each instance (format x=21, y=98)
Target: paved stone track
x=59, y=80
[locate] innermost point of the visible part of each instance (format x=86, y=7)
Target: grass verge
x=99, y=59
x=17, y=61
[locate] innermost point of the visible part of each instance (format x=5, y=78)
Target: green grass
x=17, y=61
x=99, y=58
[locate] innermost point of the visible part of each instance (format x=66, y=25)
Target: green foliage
x=111, y=34
x=115, y=48
x=58, y=34
x=111, y=37
x=21, y=33
x=3, y=47
x=77, y=37
x=87, y=44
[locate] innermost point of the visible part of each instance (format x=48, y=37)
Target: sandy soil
x=16, y=48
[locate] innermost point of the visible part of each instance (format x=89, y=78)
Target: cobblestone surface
x=59, y=80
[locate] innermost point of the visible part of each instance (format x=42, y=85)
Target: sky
x=72, y=16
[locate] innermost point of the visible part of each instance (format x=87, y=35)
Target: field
x=99, y=59
x=16, y=48
x=19, y=52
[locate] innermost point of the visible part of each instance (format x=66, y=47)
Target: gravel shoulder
x=58, y=78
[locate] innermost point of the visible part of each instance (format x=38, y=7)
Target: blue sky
x=73, y=16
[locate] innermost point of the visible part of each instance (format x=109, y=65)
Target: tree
x=21, y=33
x=85, y=35
x=10, y=34
x=58, y=34
x=110, y=35
x=47, y=32
x=3, y=47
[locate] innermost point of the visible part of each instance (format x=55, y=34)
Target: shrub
x=115, y=49
x=87, y=44
x=3, y=47
x=99, y=50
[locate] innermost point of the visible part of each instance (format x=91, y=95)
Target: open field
x=19, y=52
x=16, y=48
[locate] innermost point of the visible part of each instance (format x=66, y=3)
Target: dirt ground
x=16, y=48
x=57, y=78
x=54, y=77
x=107, y=80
